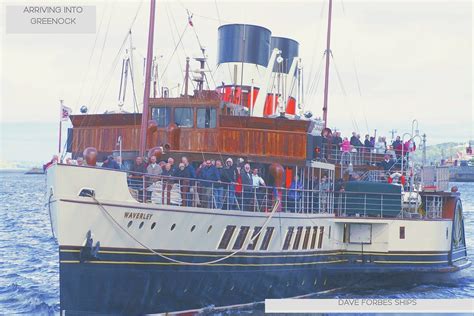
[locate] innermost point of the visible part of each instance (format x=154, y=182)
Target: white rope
x=275, y=207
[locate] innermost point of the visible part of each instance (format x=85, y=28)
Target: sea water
x=29, y=269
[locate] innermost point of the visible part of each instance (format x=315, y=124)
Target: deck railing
x=357, y=156
x=171, y=190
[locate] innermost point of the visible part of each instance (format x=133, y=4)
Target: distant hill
x=434, y=153
x=18, y=165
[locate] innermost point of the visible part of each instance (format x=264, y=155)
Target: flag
x=190, y=18
x=65, y=112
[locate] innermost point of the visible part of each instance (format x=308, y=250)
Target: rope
x=275, y=207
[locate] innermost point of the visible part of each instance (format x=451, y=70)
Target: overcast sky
x=413, y=61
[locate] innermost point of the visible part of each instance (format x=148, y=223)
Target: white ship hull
x=154, y=258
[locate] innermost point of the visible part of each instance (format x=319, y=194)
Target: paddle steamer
x=126, y=249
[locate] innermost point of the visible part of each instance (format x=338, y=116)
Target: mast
x=146, y=95
x=326, y=77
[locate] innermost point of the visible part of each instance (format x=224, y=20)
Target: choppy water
x=29, y=271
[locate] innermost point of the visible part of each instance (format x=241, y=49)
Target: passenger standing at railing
x=336, y=145
x=353, y=139
x=219, y=187
x=346, y=146
x=367, y=143
x=192, y=183
x=136, y=179
x=110, y=163
x=207, y=174
x=247, y=184
x=167, y=185
x=324, y=188
x=294, y=195
x=339, y=188
x=184, y=176
x=387, y=163
x=155, y=171
x=173, y=167
x=346, y=152
x=258, y=195
x=229, y=178
x=379, y=147
x=397, y=145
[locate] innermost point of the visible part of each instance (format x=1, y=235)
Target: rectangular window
x=183, y=117
x=313, y=238
x=345, y=236
x=306, y=237
x=253, y=244
x=206, y=118
x=239, y=241
x=289, y=234
x=228, y=233
x=402, y=232
x=321, y=235
x=267, y=238
x=296, y=244
x=161, y=115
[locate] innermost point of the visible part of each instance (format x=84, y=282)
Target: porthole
x=271, y=285
x=153, y=225
x=193, y=228
x=173, y=226
x=315, y=281
x=232, y=288
x=302, y=283
x=185, y=290
x=141, y=225
x=129, y=224
x=209, y=229
x=288, y=284
x=159, y=290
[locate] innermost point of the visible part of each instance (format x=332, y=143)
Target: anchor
x=88, y=251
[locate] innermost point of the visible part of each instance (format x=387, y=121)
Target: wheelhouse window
x=161, y=115
x=206, y=118
x=183, y=117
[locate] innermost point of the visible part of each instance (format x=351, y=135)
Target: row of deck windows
x=308, y=234
x=309, y=240
x=242, y=236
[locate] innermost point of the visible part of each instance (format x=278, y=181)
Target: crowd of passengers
x=214, y=184
x=335, y=146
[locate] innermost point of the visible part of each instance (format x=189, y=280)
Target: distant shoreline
x=23, y=170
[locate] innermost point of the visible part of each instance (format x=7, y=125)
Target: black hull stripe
x=136, y=251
